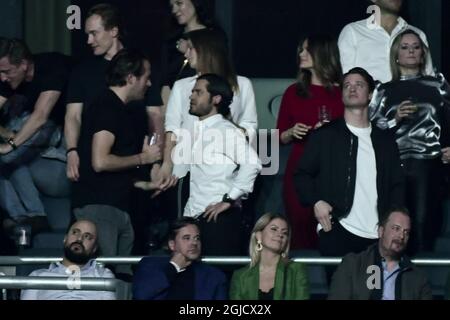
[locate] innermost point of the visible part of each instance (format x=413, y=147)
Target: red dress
x=295, y=109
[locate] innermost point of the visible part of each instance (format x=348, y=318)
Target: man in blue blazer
x=182, y=276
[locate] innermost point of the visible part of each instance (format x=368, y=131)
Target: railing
x=58, y=283
x=107, y=284
x=15, y=261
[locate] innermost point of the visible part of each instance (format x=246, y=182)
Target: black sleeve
x=445, y=113
x=56, y=76
x=106, y=119
x=307, y=171
x=75, y=88
x=397, y=188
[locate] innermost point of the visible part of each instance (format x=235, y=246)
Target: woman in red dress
x=306, y=105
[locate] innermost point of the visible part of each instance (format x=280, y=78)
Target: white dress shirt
x=90, y=270
x=368, y=45
x=222, y=161
x=243, y=112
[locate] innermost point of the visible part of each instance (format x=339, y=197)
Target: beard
x=80, y=257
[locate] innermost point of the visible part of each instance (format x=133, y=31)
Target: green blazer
x=245, y=282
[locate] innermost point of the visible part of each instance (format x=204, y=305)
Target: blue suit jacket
x=150, y=281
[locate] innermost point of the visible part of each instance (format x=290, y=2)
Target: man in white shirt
x=80, y=248
x=223, y=167
x=367, y=43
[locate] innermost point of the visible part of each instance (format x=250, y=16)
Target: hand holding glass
x=324, y=114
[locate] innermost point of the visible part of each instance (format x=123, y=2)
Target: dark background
x=264, y=33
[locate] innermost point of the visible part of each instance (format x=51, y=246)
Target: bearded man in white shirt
x=223, y=168
x=367, y=43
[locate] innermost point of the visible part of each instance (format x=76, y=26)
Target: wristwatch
x=226, y=198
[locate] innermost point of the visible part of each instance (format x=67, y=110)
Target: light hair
x=260, y=225
x=395, y=68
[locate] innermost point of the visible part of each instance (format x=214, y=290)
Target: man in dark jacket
x=382, y=272
x=350, y=172
x=182, y=276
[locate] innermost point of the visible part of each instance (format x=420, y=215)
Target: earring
x=396, y=61
x=283, y=255
x=259, y=246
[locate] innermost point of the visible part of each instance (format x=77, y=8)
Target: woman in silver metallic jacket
x=416, y=107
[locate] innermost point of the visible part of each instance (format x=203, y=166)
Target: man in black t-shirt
x=109, y=155
x=87, y=81
x=31, y=90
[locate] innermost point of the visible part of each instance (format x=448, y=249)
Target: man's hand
x=149, y=153
x=180, y=260
x=213, y=210
x=446, y=155
x=73, y=165
x=165, y=176
x=147, y=185
x=5, y=148
x=322, y=212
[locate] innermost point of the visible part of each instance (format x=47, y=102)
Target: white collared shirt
x=90, y=270
x=243, y=111
x=222, y=161
x=367, y=45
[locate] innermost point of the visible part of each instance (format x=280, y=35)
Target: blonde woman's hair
x=262, y=223
x=395, y=68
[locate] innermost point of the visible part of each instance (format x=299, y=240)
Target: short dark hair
x=179, y=224
x=218, y=86
x=15, y=49
x=396, y=208
x=110, y=15
x=363, y=73
x=124, y=63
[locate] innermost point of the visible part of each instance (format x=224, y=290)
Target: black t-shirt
x=88, y=80
x=107, y=113
x=51, y=72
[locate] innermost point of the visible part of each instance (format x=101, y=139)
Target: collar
x=410, y=77
x=177, y=267
x=401, y=23
x=210, y=121
x=58, y=265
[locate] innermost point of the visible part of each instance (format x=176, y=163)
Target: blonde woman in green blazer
x=270, y=275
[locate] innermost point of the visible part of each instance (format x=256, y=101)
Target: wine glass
x=324, y=114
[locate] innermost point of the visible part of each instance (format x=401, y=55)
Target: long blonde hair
x=395, y=68
x=262, y=223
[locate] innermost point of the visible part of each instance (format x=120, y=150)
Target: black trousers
x=424, y=179
x=224, y=237
x=338, y=242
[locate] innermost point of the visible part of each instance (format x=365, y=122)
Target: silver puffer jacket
x=423, y=134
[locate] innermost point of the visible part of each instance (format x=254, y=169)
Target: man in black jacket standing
x=350, y=172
